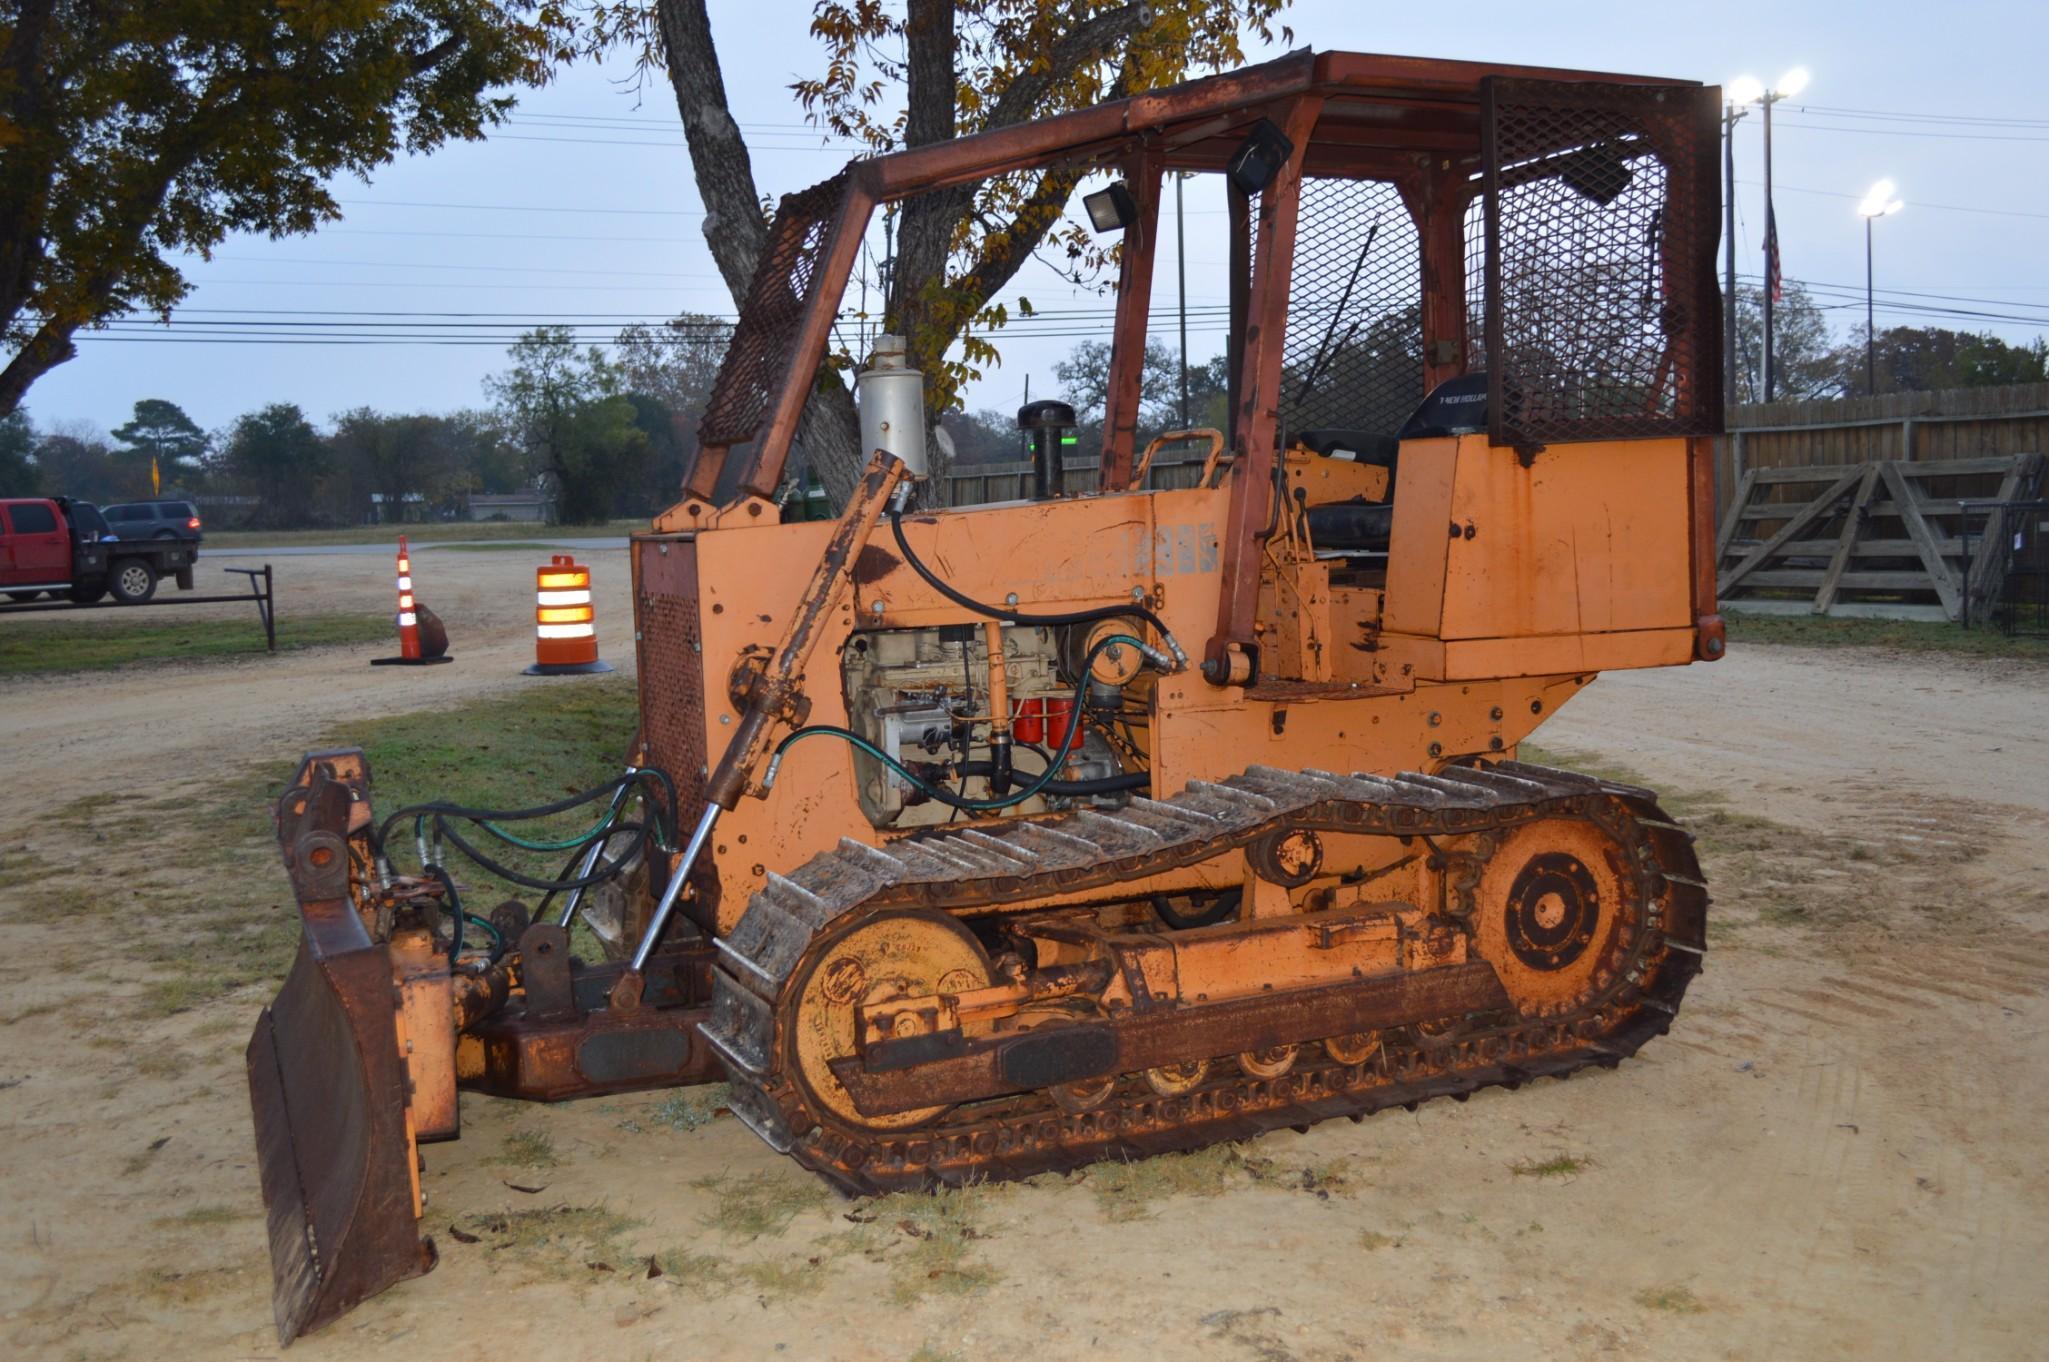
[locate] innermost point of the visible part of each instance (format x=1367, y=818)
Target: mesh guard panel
x=1353, y=358
x=1602, y=315
x=671, y=670
x=776, y=299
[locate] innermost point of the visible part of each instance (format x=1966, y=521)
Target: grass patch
x=760, y=1204
x=1557, y=1166
x=1910, y=636
x=452, y=532
x=1675, y=1299
x=527, y=1149
x=200, y=1217
x=1128, y=1191
x=941, y=1257
x=1374, y=1239
x=567, y=1240
x=690, y=1108
x=500, y=546
x=101, y=643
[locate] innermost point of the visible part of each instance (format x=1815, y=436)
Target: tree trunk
x=734, y=229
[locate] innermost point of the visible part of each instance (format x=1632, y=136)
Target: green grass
x=451, y=533
x=1912, y=636
x=1557, y=1166
x=1673, y=1299
x=559, y=1241
x=102, y=642
x=505, y=546
x=761, y=1204
x=527, y=1149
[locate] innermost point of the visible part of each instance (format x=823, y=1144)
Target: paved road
x=310, y=550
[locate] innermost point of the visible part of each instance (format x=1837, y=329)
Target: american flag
x=1774, y=277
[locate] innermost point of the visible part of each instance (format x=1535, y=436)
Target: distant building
x=533, y=508
x=386, y=510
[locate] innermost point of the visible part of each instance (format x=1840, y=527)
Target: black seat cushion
x=1363, y=445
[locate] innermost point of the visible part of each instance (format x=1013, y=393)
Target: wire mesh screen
x=760, y=351
x=1601, y=316
x=1353, y=357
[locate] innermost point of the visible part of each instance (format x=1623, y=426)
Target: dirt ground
x=1837, y=1153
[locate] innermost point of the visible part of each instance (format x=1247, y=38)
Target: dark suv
x=132, y=520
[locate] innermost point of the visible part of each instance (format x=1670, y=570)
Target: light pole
x=1790, y=84
x=1736, y=94
x=1878, y=203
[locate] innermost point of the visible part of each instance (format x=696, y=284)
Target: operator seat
x=1457, y=406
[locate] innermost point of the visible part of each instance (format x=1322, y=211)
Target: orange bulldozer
x=1159, y=809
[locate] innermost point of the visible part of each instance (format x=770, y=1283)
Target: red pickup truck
x=64, y=547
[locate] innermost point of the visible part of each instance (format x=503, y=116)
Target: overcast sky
x=582, y=208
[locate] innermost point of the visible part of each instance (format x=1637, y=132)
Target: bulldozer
x=1123, y=818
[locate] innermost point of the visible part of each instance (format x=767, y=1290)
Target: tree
x=132, y=131
x=160, y=431
x=1085, y=383
x=19, y=475
x=76, y=461
x=566, y=409
x=1805, y=363
x=929, y=72
x=420, y=459
x=1920, y=358
x=276, y=455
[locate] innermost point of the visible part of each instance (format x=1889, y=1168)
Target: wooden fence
x=1951, y=423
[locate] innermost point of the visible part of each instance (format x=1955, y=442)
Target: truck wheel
x=133, y=581
x=23, y=595
x=88, y=593
x=185, y=578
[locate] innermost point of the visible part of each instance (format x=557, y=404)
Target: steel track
x=1027, y=1134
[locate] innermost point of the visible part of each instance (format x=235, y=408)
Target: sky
x=582, y=209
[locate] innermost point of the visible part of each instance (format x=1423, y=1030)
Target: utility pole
x=1790, y=84
x=1181, y=268
x=1731, y=115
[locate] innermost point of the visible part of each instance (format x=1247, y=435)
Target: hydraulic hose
x=1069, y=789
x=1038, y=785
x=995, y=612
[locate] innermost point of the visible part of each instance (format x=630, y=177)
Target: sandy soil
x=1836, y=1154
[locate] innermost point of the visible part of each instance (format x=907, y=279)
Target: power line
x=1916, y=203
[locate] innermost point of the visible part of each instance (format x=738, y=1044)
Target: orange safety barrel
x=565, y=620
x=421, y=638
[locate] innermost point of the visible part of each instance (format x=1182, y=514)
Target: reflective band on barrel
x=407, y=619
x=585, y=630
x=564, y=597
x=571, y=614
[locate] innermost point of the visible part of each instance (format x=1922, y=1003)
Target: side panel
x=1588, y=539
x=1579, y=560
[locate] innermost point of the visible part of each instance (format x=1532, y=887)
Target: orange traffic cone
x=565, y=621
x=422, y=641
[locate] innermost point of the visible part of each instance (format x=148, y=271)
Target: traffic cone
x=417, y=646
x=565, y=621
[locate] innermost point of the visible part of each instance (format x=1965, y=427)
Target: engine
x=923, y=698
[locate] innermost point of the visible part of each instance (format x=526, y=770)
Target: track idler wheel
x=873, y=960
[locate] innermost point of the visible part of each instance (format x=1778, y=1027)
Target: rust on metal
x=327, y=1080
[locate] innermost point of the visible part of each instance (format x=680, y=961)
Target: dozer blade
x=327, y=1083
